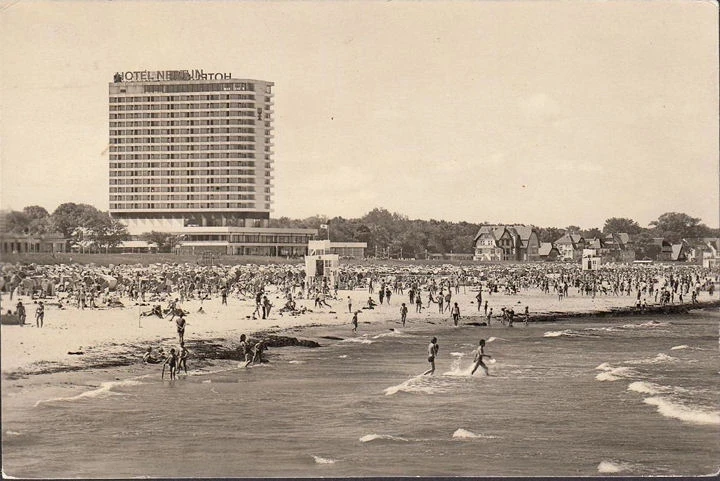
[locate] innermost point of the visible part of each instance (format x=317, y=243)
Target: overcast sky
x=546, y=113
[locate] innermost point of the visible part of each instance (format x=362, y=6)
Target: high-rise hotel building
x=192, y=153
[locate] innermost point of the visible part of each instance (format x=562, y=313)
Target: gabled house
x=599, y=245
x=570, y=247
x=495, y=243
x=548, y=252
x=660, y=249
x=529, y=242
x=704, y=251
x=619, y=247
x=679, y=252
x=506, y=243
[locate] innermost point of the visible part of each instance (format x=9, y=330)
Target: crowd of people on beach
x=163, y=289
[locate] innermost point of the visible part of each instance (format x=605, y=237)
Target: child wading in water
x=355, y=321
x=171, y=361
x=184, y=354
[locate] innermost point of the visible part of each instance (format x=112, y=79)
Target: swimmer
x=355, y=322
x=479, y=354
x=432, y=354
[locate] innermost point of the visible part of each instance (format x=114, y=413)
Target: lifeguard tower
x=320, y=265
x=590, y=260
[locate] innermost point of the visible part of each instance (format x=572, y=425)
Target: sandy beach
x=102, y=336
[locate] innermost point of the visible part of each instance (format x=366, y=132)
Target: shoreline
x=222, y=346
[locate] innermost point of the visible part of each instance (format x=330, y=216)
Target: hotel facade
x=191, y=153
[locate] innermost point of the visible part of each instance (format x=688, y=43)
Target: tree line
x=387, y=234
x=80, y=224
x=395, y=235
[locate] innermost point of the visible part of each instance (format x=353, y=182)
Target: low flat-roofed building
x=31, y=243
x=257, y=241
x=354, y=250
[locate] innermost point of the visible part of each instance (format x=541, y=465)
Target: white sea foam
x=457, y=354
x=645, y=325
x=684, y=346
x=612, y=467
x=418, y=384
x=661, y=357
x=645, y=387
x=294, y=361
x=604, y=329
x=342, y=356
x=465, y=434
x=675, y=410
x=319, y=460
x=457, y=370
x=612, y=373
x=566, y=332
x=384, y=437
x=12, y=433
x=103, y=390
x=357, y=340
x=395, y=333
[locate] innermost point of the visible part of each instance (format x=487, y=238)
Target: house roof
x=596, y=243
x=677, y=250
x=624, y=237
x=570, y=239
x=660, y=241
x=546, y=248
x=521, y=234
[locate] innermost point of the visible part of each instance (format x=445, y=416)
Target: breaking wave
x=612, y=373
x=418, y=384
x=105, y=389
x=645, y=325
x=356, y=340
x=465, y=434
x=611, y=467
x=675, y=410
x=380, y=437
x=566, y=332
x=654, y=360
x=319, y=460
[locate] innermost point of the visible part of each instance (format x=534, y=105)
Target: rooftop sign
x=164, y=75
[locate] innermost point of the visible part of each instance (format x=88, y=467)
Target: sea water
x=633, y=396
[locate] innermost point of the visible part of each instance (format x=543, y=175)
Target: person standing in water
x=355, y=321
x=244, y=349
x=182, y=360
x=433, y=349
x=479, y=354
x=403, y=313
x=455, y=314
x=172, y=362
